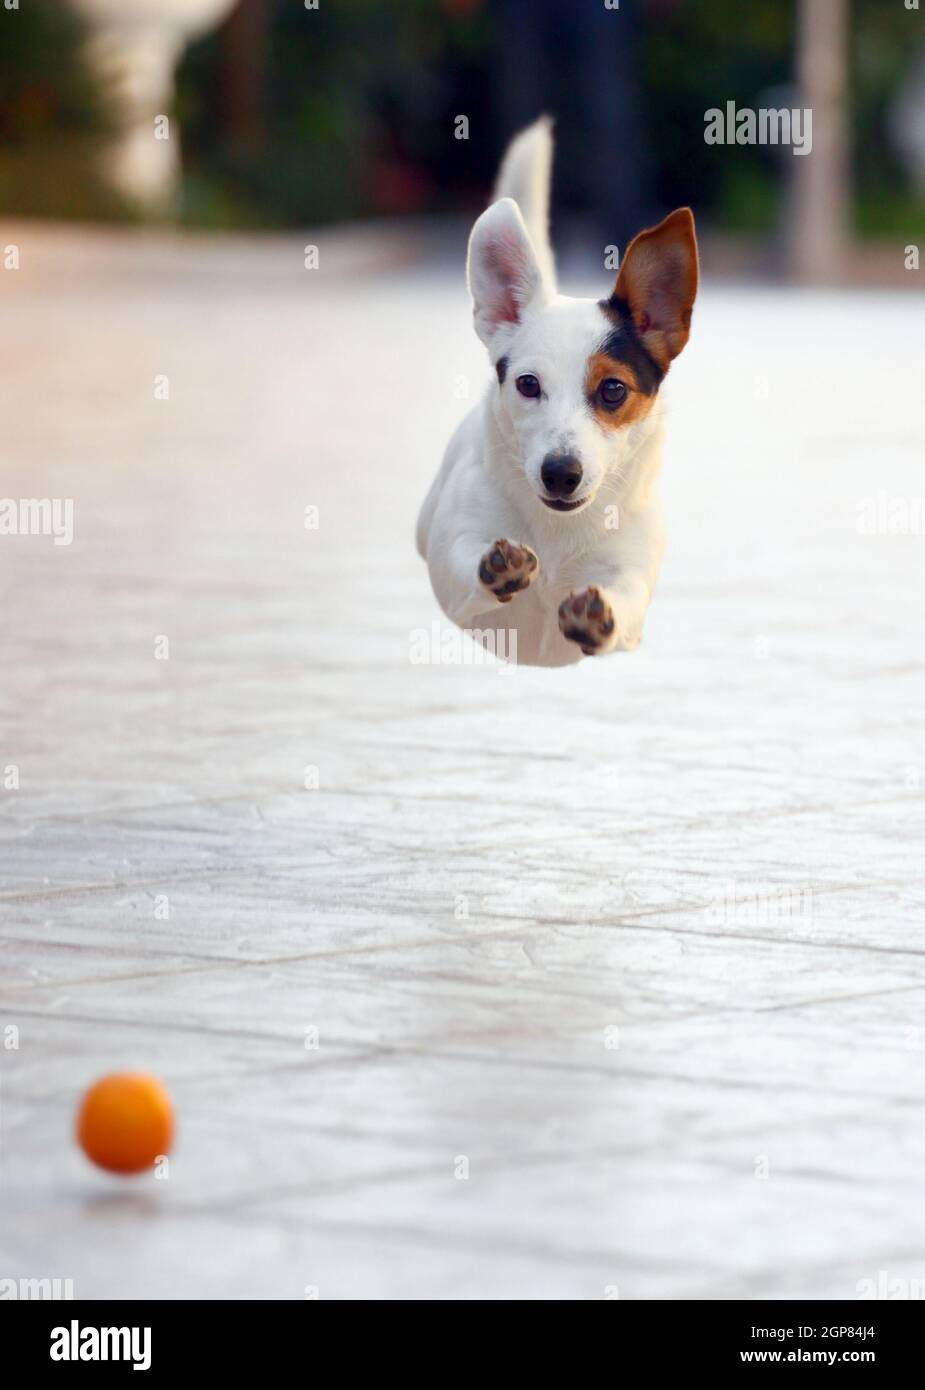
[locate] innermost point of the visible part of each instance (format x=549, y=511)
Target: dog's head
x=578, y=377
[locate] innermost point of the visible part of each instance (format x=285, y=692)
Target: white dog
x=544, y=516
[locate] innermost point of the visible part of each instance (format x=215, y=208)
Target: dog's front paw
x=507, y=568
x=587, y=618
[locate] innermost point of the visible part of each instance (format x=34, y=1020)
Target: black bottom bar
x=238, y=1338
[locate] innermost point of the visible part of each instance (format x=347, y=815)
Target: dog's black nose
x=561, y=474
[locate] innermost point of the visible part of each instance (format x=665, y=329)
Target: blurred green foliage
x=699, y=56
x=348, y=110
x=356, y=100
x=360, y=106
x=882, y=50
x=51, y=117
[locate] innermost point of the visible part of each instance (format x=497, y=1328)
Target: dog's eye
x=612, y=392
x=528, y=385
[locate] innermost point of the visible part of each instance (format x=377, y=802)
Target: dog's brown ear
x=658, y=281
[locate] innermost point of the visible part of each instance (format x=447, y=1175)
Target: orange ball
x=125, y=1122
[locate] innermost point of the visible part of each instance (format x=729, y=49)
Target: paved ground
x=640, y=943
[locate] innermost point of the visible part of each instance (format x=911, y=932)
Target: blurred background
x=293, y=113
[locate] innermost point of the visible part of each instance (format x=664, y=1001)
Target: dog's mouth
x=560, y=504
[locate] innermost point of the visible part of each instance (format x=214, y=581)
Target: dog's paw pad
x=587, y=618
x=507, y=568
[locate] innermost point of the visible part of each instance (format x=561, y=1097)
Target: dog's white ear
x=503, y=271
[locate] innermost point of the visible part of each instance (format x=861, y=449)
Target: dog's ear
x=502, y=269
x=658, y=282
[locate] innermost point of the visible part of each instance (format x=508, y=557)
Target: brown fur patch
x=658, y=280
x=635, y=407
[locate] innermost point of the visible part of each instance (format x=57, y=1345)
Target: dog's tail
x=525, y=176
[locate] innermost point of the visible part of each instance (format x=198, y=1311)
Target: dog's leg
x=607, y=617
x=472, y=576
